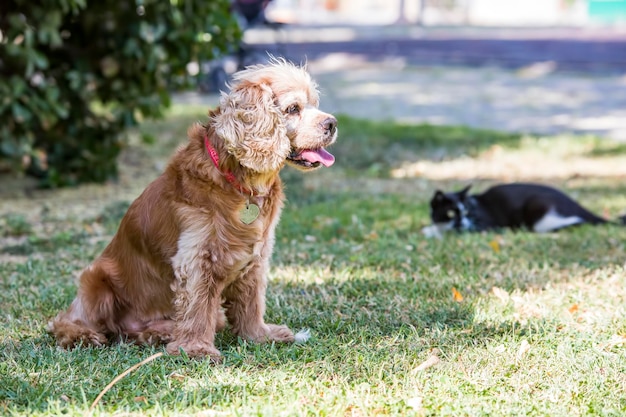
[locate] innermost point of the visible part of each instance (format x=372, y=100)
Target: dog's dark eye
x=451, y=214
x=293, y=109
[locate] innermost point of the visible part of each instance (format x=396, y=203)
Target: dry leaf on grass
x=500, y=349
x=432, y=360
x=176, y=376
x=523, y=350
x=500, y=294
x=458, y=297
x=353, y=411
x=615, y=340
x=211, y=413
x=495, y=245
x=414, y=403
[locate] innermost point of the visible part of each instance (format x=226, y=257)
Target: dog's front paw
x=194, y=350
x=275, y=333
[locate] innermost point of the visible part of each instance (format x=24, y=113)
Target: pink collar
x=230, y=177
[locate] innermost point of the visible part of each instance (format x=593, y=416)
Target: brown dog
x=197, y=242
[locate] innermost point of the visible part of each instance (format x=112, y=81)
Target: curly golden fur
x=183, y=263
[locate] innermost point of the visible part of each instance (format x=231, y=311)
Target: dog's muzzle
x=316, y=157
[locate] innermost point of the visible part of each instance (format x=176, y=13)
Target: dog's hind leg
x=70, y=330
x=90, y=316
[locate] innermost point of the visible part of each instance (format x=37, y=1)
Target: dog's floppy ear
x=251, y=125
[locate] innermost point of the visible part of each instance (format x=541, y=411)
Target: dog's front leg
x=197, y=306
x=245, y=307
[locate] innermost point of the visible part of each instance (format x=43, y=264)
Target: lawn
x=486, y=324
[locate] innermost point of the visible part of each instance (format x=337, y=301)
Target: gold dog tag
x=249, y=213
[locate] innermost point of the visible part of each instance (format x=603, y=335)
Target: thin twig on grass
x=120, y=376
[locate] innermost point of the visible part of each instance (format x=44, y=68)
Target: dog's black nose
x=329, y=125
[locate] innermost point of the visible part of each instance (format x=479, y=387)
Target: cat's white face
x=448, y=211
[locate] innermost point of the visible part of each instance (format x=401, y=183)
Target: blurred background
x=96, y=71
x=450, y=12
x=574, y=34
x=538, y=66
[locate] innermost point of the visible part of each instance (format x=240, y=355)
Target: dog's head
x=270, y=117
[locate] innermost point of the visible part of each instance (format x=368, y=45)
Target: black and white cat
x=536, y=207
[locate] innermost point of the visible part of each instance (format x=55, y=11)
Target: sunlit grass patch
x=533, y=159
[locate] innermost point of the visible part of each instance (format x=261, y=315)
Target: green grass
x=540, y=328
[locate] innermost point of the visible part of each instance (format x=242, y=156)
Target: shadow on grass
x=34, y=244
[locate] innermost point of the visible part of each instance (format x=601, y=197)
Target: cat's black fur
x=535, y=207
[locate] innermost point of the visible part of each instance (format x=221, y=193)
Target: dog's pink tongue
x=320, y=155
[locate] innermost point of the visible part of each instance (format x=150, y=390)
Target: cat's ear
x=439, y=196
x=464, y=191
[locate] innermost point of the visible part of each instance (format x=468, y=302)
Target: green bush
x=74, y=74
